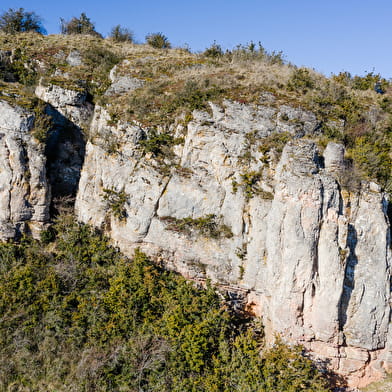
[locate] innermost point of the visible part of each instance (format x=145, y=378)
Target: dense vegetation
x=78, y=316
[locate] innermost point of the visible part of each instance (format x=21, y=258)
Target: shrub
x=121, y=34
x=207, y=225
x=300, y=80
x=158, y=41
x=159, y=144
x=42, y=122
x=79, y=316
x=116, y=201
x=18, y=21
x=100, y=60
x=81, y=25
x=214, y=50
x=369, y=81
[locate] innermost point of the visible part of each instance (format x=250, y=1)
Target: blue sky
x=330, y=36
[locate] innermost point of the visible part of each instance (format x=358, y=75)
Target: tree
x=158, y=40
x=81, y=25
x=18, y=21
x=121, y=34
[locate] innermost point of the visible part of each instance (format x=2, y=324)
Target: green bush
x=300, y=80
x=100, y=61
x=159, y=144
x=42, y=122
x=158, y=41
x=116, y=201
x=81, y=25
x=214, y=50
x=121, y=34
x=208, y=226
x=18, y=20
x=77, y=315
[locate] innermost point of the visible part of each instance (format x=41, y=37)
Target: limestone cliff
x=249, y=195
x=24, y=191
x=313, y=257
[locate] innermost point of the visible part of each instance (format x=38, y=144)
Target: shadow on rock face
x=349, y=277
x=65, y=150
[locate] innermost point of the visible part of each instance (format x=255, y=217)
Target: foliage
x=214, y=50
x=77, y=315
x=121, y=34
x=18, y=20
x=116, y=202
x=273, y=143
x=81, y=25
x=300, y=80
x=19, y=69
x=159, y=144
x=208, y=226
x=253, y=52
x=42, y=121
x=100, y=61
x=153, y=107
x=285, y=369
x=158, y=41
x=250, y=186
x=371, y=81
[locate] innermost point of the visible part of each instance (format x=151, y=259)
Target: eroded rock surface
x=24, y=191
x=313, y=257
x=229, y=203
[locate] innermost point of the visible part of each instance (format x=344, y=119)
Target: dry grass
x=178, y=81
x=381, y=386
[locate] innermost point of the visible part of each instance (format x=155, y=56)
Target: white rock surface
x=314, y=258
x=24, y=191
x=69, y=103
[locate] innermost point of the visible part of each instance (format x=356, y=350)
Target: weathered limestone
x=121, y=82
x=313, y=257
x=24, y=191
x=69, y=103
x=71, y=114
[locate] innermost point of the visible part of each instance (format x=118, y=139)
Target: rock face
x=234, y=202
x=314, y=258
x=24, y=191
x=65, y=147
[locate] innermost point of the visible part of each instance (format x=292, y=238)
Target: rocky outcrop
x=65, y=147
x=122, y=82
x=24, y=191
x=234, y=202
x=313, y=257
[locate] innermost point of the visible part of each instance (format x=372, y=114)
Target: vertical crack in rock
x=10, y=182
x=156, y=206
x=349, y=276
x=65, y=150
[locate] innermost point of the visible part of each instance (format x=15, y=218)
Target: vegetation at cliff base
x=76, y=315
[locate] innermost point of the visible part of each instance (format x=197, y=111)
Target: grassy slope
x=177, y=82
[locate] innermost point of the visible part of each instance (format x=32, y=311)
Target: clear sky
x=328, y=35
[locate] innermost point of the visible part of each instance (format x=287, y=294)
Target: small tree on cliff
x=121, y=34
x=158, y=41
x=19, y=21
x=81, y=25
